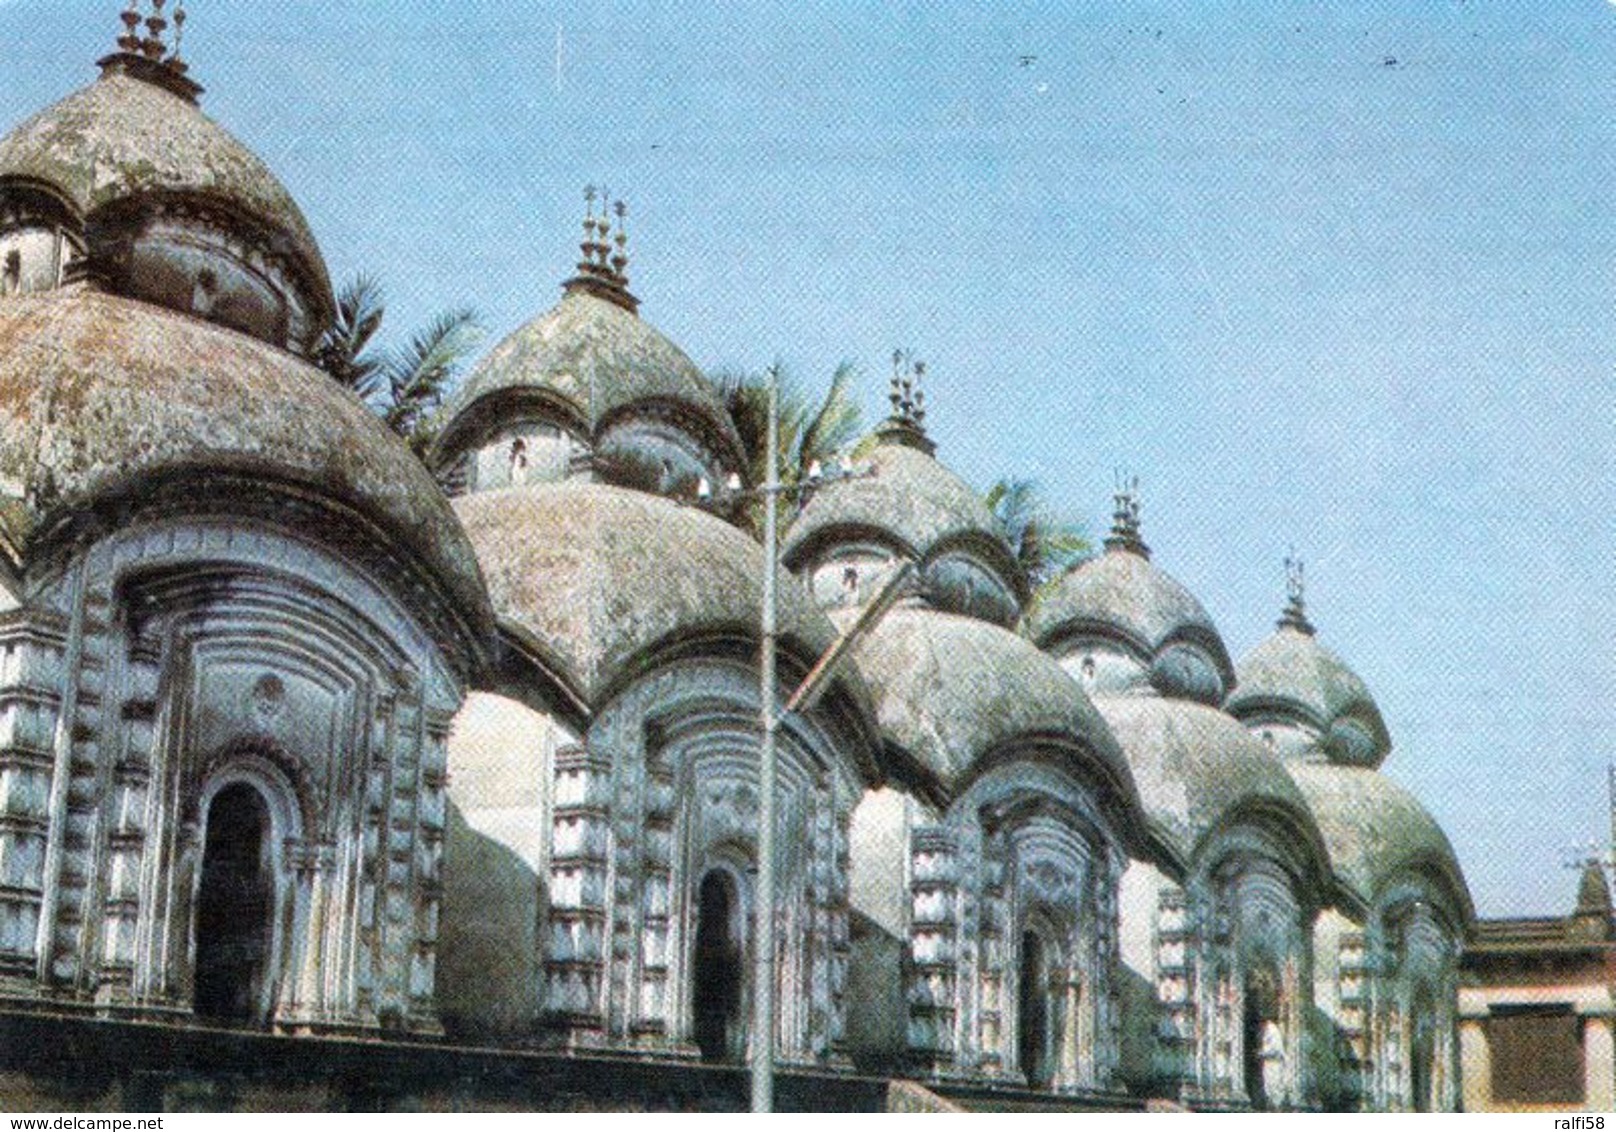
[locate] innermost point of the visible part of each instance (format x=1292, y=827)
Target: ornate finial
x=152, y=46
x=1295, y=615
x=178, y=64
x=603, y=227
x=586, y=266
x=620, y=259
x=147, y=57
x=907, y=422
x=129, y=41
x=601, y=272
x=1125, y=534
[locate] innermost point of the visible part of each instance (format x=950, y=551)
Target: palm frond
x=1045, y=545
x=418, y=375
x=344, y=350
x=835, y=424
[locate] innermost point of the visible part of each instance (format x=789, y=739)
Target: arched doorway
x=235, y=901
x=1032, y=1036
x=716, y=987
x=1262, y=1037
x=1422, y=1049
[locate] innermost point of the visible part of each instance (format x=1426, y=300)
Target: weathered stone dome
x=951, y=692
x=103, y=399
x=1196, y=768
x=1292, y=676
x=588, y=359
x=123, y=137
x=1123, y=595
x=911, y=499
x=598, y=581
x=1377, y=832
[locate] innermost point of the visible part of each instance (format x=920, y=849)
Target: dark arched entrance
x=1032, y=1037
x=716, y=988
x=233, y=907
x=1259, y=1032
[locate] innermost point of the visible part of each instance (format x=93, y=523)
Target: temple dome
x=1122, y=595
x=911, y=505
x=1197, y=769
x=103, y=399
x=585, y=362
x=124, y=139
x=1293, y=677
x=953, y=692
x=910, y=497
x=598, y=582
x=1377, y=833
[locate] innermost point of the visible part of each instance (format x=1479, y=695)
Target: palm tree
x=401, y=385
x=810, y=431
x=1045, y=544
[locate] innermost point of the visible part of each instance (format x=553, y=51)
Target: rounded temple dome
x=587, y=361
x=1122, y=595
x=1377, y=833
x=951, y=692
x=1196, y=768
x=103, y=398
x=125, y=142
x=597, y=580
x=1292, y=677
x=912, y=502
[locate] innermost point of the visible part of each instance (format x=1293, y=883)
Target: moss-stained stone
x=1195, y=767
x=102, y=396
x=1131, y=596
x=1292, y=671
x=596, y=358
x=1376, y=831
x=597, y=579
x=951, y=690
x=121, y=137
x=910, y=497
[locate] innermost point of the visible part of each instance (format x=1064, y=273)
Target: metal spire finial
x=152, y=46
x=602, y=272
x=129, y=41
x=620, y=258
x=174, y=60
x=1125, y=529
x=1295, y=614
x=907, y=422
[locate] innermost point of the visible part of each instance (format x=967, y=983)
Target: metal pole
x=763, y=973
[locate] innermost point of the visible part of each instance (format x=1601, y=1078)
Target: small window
x=1537, y=1055
x=205, y=293
x=1088, y=668
x=11, y=283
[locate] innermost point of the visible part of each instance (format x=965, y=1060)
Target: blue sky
x=1331, y=275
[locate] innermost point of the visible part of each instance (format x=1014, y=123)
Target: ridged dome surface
x=122, y=137
x=1377, y=832
x=1125, y=594
x=951, y=691
x=910, y=497
x=593, y=358
x=1291, y=672
x=1196, y=767
x=597, y=579
x=102, y=397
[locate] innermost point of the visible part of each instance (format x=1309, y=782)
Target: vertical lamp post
x=763, y=974
x=802, y=699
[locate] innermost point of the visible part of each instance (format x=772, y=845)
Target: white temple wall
x=176, y=663
x=501, y=764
